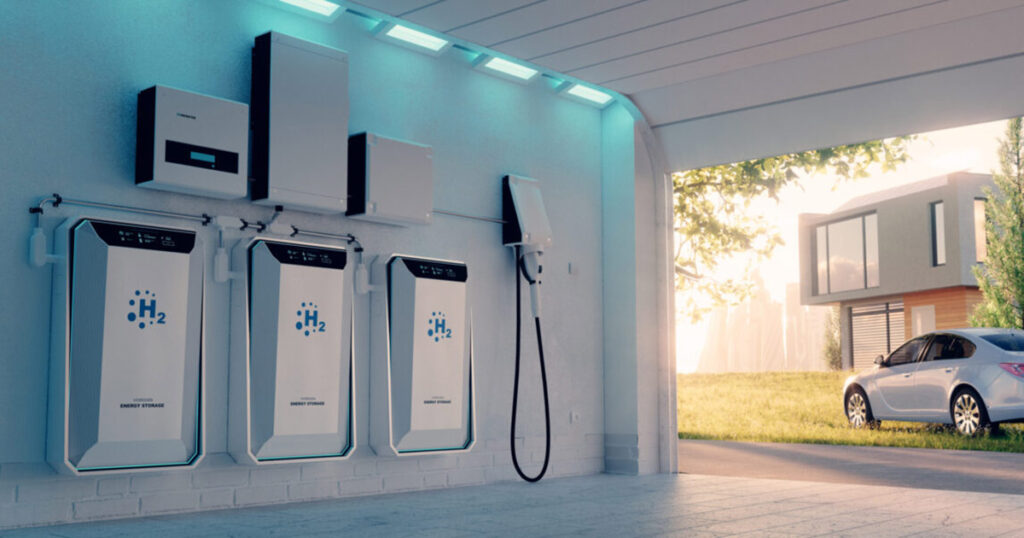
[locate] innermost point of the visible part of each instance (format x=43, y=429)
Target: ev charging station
x=527, y=230
x=126, y=349
x=422, y=387
x=291, y=372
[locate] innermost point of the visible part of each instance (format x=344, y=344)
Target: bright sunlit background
x=972, y=148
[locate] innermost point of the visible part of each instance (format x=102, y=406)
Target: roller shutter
x=876, y=330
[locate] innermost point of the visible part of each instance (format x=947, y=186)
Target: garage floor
x=606, y=505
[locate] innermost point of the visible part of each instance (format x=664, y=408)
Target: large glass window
x=871, y=250
x=847, y=254
x=822, y=261
x=938, y=234
x=980, y=243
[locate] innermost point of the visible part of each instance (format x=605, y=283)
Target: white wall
x=70, y=72
x=639, y=366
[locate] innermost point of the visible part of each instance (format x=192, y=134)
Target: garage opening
x=811, y=275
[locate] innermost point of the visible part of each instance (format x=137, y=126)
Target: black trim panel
x=259, y=116
x=144, y=135
x=356, y=174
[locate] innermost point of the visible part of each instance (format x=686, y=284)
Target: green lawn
x=804, y=407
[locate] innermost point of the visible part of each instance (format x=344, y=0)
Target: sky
x=972, y=148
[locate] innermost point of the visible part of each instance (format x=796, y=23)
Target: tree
x=833, y=347
x=713, y=221
x=1001, y=277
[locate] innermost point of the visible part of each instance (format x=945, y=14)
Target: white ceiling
x=683, y=60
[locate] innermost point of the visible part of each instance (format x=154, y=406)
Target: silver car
x=971, y=378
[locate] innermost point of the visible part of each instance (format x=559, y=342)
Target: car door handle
x=906, y=375
x=949, y=370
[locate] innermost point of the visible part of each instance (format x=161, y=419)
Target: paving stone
x=601, y=505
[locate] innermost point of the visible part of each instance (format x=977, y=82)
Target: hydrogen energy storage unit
x=126, y=349
x=422, y=389
x=291, y=372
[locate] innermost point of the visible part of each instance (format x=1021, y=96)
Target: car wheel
x=968, y=412
x=858, y=410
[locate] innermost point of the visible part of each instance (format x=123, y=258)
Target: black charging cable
x=521, y=268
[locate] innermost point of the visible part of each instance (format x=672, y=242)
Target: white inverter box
x=126, y=350
x=299, y=111
x=291, y=374
x=191, y=143
x=421, y=374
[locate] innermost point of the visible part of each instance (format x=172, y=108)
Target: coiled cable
x=521, y=268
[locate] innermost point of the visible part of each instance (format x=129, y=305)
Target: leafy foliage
x=833, y=351
x=1001, y=277
x=713, y=220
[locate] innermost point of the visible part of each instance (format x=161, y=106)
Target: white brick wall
x=106, y=509
x=173, y=501
x=31, y=494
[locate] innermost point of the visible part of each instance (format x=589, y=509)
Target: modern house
x=896, y=262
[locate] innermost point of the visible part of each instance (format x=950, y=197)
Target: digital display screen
x=122, y=235
x=201, y=157
x=309, y=256
x=436, y=270
x=205, y=157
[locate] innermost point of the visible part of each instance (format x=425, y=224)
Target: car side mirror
x=880, y=360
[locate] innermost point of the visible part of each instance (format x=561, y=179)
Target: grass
x=805, y=407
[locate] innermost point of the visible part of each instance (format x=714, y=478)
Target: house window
x=847, y=254
x=822, y=261
x=938, y=234
x=980, y=241
x=871, y=251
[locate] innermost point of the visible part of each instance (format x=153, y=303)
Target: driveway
x=600, y=506
x=962, y=470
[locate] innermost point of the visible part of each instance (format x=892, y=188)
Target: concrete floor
x=964, y=470
x=605, y=505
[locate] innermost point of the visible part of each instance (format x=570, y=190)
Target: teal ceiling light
x=321, y=10
x=320, y=7
x=413, y=39
x=505, y=69
x=588, y=95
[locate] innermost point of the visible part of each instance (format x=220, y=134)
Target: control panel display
x=308, y=256
x=122, y=235
x=436, y=270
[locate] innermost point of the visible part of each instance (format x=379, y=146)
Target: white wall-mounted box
x=299, y=110
x=191, y=143
x=291, y=366
x=522, y=209
x=390, y=181
x=422, y=390
x=126, y=362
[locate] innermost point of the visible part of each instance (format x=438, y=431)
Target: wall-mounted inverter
x=126, y=350
x=421, y=374
x=390, y=181
x=192, y=143
x=299, y=109
x=291, y=371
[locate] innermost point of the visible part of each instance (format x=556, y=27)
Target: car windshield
x=1007, y=341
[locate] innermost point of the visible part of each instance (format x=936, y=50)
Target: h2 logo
x=437, y=327
x=309, y=319
x=144, y=311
